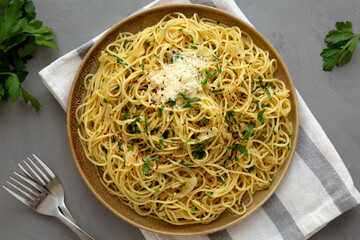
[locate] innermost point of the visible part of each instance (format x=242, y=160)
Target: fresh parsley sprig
x=19, y=34
x=341, y=44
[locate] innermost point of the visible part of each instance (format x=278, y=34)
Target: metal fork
x=41, y=200
x=50, y=182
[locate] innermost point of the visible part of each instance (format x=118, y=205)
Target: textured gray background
x=295, y=28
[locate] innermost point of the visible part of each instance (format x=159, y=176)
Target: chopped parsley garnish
x=115, y=88
x=260, y=116
x=147, y=42
x=217, y=91
x=146, y=168
x=142, y=67
x=131, y=147
x=210, y=195
x=216, y=58
x=186, y=98
x=264, y=87
x=249, y=130
x=250, y=169
x=171, y=103
x=231, y=115
x=218, y=63
x=222, y=180
x=176, y=57
x=188, y=105
x=105, y=100
x=209, y=76
x=199, y=154
x=118, y=59
x=240, y=148
x=120, y=143
x=180, y=29
x=134, y=128
x=113, y=139
x=225, y=162
x=272, y=179
x=264, y=133
x=161, y=141
x=146, y=124
x=127, y=116
x=160, y=110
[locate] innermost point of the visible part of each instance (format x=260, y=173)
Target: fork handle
x=75, y=228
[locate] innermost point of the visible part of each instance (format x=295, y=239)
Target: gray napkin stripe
x=220, y=235
x=83, y=49
x=326, y=174
x=282, y=219
x=204, y=2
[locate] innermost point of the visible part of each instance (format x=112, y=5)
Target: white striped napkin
x=316, y=189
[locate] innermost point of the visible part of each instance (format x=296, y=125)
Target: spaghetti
x=185, y=119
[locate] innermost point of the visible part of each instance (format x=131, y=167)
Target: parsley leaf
x=186, y=98
x=160, y=110
x=240, y=148
x=118, y=59
x=209, y=76
x=29, y=98
x=19, y=34
x=131, y=148
x=126, y=115
x=12, y=85
x=217, y=91
x=210, y=195
x=249, y=130
x=341, y=44
x=146, y=168
x=199, y=153
x=264, y=87
x=188, y=105
x=260, y=116
x=161, y=141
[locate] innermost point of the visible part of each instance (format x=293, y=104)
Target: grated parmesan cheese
x=181, y=76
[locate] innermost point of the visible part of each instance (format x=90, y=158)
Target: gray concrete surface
x=295, y=28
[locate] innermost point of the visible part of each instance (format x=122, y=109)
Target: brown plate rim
x=253, y=33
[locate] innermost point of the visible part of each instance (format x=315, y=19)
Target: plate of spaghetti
x=182, y=119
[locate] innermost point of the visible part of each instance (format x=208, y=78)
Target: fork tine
x=39, y=170
x=48, y=170
x=18, y=197
x=21, y=190
x=26, y=172
x=32, y=170
x=32, y=183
